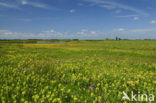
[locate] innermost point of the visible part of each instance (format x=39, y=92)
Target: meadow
x=85, y=71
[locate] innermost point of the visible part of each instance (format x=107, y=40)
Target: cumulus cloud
x=72, y=11
x=52, y=30
x=93, y=32
x=118, y=30
x=135, y=18
x=48, y=34
x=24, y=2
x=148, y=30
x=153, y=22
x=7, y=34
x=121, y=29
x=145, y=33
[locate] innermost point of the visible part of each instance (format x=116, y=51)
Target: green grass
x=66, y=72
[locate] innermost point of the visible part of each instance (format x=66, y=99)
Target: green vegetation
x=76, y=71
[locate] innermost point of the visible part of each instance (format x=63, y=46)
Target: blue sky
x=82, y=19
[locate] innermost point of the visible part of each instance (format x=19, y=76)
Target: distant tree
x=76, y=39
x=147, y=39
x=117, y=38
x=107, y=39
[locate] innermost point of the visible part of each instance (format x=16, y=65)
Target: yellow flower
x=75, y=99
x=99, y=98
x=98, y=84
x=26, y=102
x=22, y=100
x=23, y=92
x=57, y=100
x=68, y=91
x=97, y=89
x=92, y=94
x=59, y=85
x=48, y=95
x=13, y=101
x=35, y=97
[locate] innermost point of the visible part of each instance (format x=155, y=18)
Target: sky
x=77, y=19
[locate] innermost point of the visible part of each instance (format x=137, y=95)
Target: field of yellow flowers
x=76, y=71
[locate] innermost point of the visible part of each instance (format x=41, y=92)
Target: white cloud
x=80, y=4
x=7, y=5
x=118, y=30
x=121, y=29
x=6, y=34
x=52, y=30
x=34, y=4
x=107, y=6
x=72, y=11
x=118, y=11
x=3, y=31
x=82, y=32
x=146, y=30
x=93, y=32
x=145, y=33
x=116, y=5
x=49, y=34
x=23, y=2
x=127, y=16
x=18, y=3
x=135, y=18
x=153, y=22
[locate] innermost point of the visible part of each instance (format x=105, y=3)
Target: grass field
x=76, y=71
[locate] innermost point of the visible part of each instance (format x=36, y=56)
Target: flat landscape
x=80, y=71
